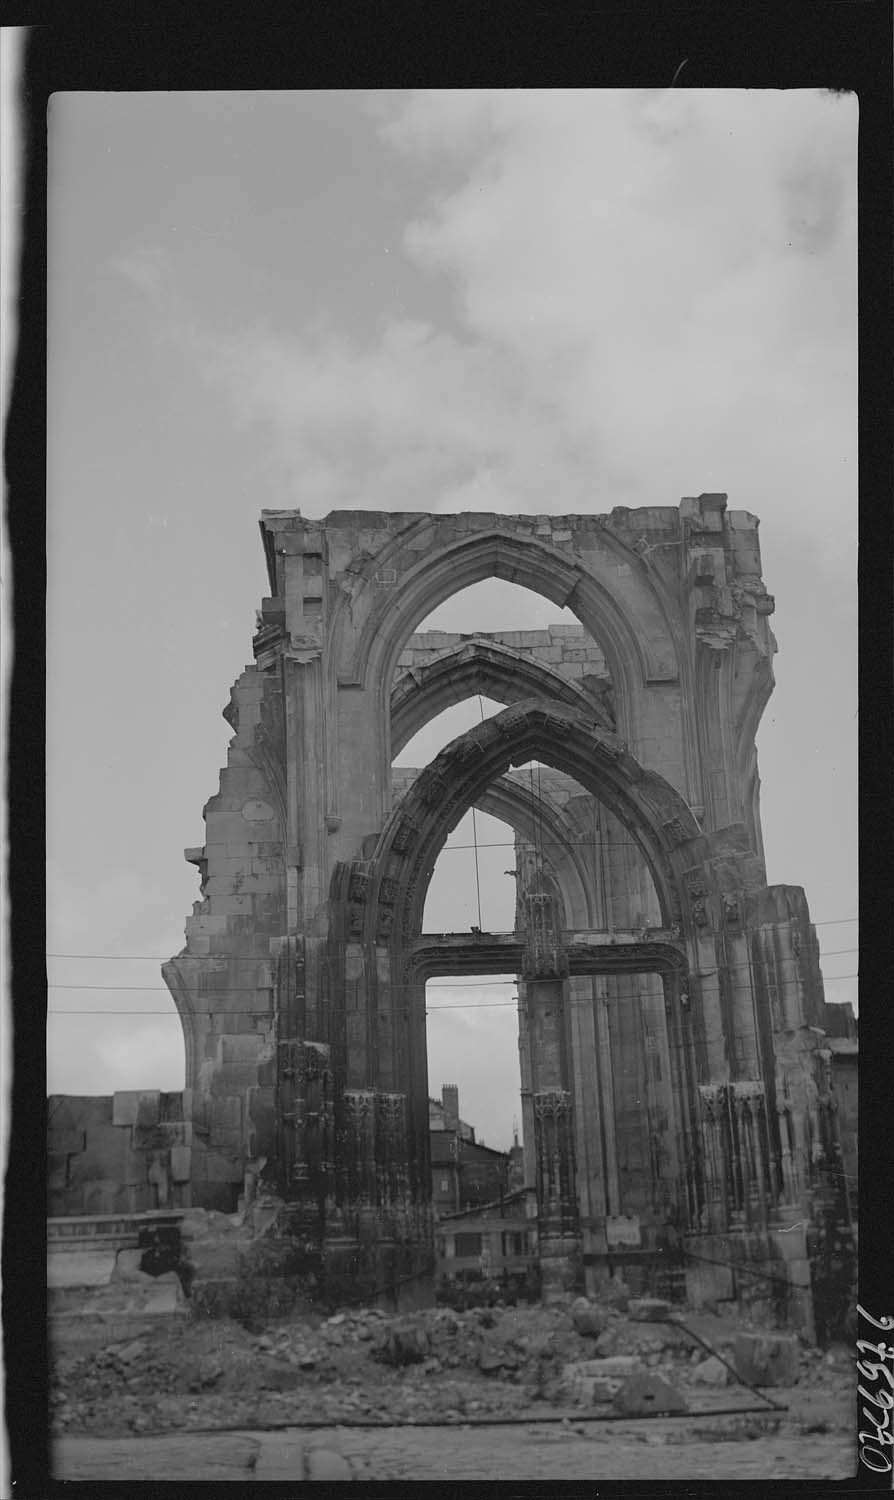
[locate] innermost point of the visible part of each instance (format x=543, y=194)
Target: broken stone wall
x=223, y=980
x=127, y=1152
x=566, y=649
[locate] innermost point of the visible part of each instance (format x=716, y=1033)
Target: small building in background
x=495, y=1242
x=485, y=1215
x=465, y=1172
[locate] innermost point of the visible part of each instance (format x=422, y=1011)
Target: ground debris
x=435, y=1364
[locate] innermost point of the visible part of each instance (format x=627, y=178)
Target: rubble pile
x=437, y=1364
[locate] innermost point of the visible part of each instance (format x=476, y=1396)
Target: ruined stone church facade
x=670, y=1001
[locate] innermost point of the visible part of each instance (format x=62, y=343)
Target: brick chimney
x=450, y=1101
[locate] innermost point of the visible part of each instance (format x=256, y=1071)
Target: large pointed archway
x=377, y=906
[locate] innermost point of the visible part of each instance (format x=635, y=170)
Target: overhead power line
x=254, y=958
x=257, y=1010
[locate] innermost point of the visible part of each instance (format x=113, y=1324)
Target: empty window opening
x=474, y=1086
x=471, y=887
x=496, y=605
x=446, y=726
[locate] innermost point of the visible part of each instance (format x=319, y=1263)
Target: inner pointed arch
x=656, y=816
x=486, y=666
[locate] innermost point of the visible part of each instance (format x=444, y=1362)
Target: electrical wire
x=162, y=957
x=459, y=984
x=76, y=1010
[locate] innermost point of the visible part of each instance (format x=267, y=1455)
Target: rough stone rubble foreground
x=361, y=1371
x=432, y=1364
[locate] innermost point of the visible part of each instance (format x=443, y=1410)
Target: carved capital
x=552, y=1104
x=359, y=1108
x=732, y=915
x=697, y=892
x=712, y=1097
x=748, y=1091
x=388, y=890
x=404, y=835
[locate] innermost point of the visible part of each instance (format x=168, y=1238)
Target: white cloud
x=656, y=295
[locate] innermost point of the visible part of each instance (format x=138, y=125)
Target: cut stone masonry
x=670, y=1001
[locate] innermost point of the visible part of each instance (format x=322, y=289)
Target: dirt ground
x=365, y=1369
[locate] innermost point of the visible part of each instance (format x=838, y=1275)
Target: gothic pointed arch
x=540, y=821
x=480, y=666
x=657, y=817
x=387, y=602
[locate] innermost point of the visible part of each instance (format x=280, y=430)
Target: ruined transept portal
x=670, y=1001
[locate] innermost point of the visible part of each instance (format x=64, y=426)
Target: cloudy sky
x=513, y=301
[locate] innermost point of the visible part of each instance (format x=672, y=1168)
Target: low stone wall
x=128, y=1152
x=568, y=649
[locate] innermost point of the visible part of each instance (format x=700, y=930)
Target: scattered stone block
x=82, y=1268
x=617, y=1364
x=766, y=1358
x=403, y=1344
x=490, y=1361
x=648, y=1393
x=128, y=1266
x=648, y=1310
x=711, y=1372
x=598, y=1381
x=164, y=1295
x=588, y=1318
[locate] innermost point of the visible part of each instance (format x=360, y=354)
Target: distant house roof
x=502, y=1205
x=437, y=1120
x=443, y=1149
x=476, y=1146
